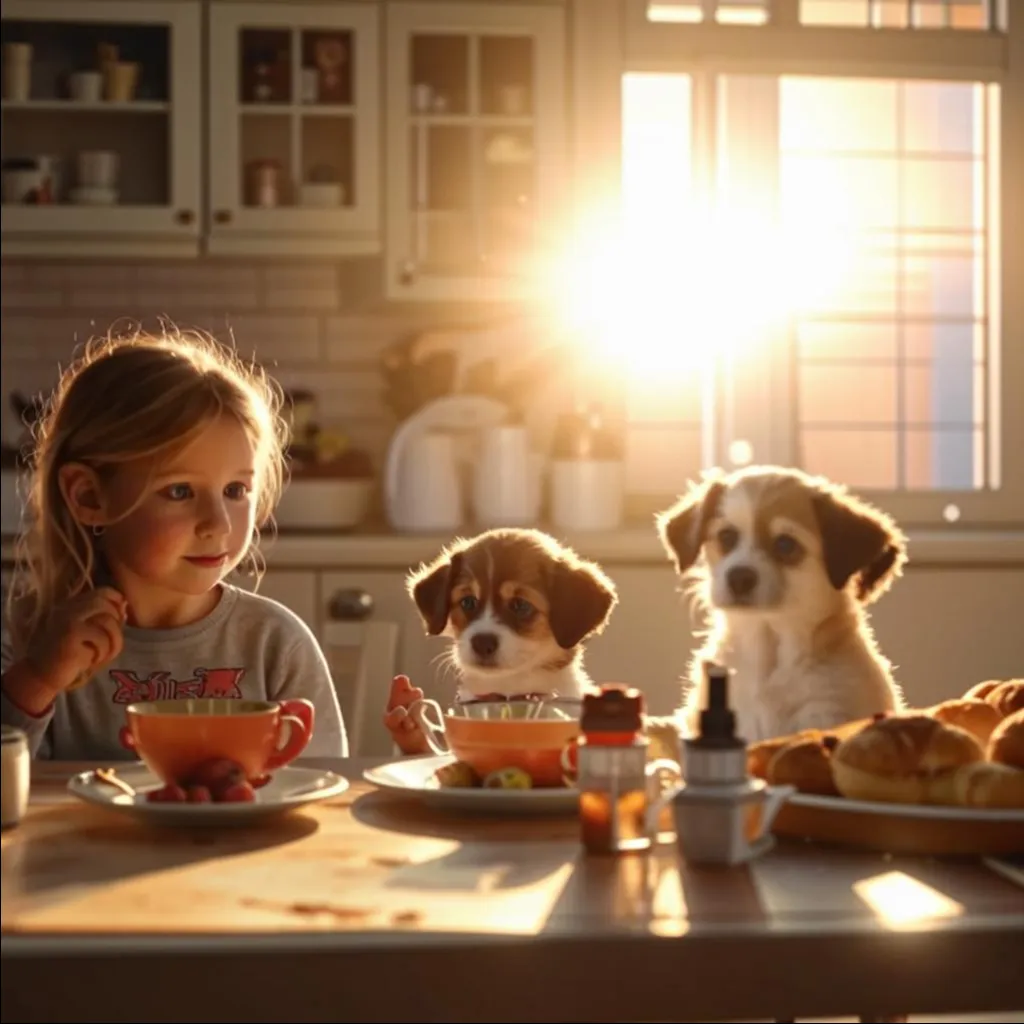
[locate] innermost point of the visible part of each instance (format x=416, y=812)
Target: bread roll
x=981, y=784
x=978, y=717
x=1008, y=697
x=980, y=691
x=1006, y=745
x=805, y=764
x=894, y=759
x=759, y=755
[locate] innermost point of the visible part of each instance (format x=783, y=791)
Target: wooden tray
x=901, y=828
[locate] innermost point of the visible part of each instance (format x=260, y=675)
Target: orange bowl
x=490, y=735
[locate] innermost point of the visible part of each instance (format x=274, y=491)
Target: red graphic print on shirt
x=205, y=682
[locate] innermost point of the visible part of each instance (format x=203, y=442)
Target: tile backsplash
x=314, y=324
x=309, y=323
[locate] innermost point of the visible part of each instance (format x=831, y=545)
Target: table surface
x=373, y=905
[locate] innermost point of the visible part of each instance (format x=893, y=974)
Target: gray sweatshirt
x=248, y=647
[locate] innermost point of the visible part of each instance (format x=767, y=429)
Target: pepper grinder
x=722, y=814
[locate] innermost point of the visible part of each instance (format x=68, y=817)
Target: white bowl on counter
x=323, y=504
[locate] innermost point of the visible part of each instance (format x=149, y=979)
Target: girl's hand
x=81, y=637
x=404, y=729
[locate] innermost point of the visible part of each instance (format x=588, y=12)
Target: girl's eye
x=520, y=608
x=236, y=491
x=785, y=546
x=728, y=538
x=178, y=492
x=468, y=603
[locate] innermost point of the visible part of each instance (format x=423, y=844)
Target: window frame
x=627, y=42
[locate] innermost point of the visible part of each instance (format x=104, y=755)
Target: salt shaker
x=15, y=780
x=612, y=771
x=722, y=815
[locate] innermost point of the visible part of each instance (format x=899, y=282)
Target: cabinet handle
x=185, y=216
x=407, y=273
x=222, y=217
x=351, y=604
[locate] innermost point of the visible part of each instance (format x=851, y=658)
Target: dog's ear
x=683, y=527
x=582, y=598
x=431, y=588
x=859, y=541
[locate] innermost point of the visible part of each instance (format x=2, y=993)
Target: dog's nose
x=742, y=580
x=484, y=644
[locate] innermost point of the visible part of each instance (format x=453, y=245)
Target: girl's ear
x=82, y=493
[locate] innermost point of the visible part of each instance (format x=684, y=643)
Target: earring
x=97, y=531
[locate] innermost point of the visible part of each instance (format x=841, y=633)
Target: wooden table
x=371, y=908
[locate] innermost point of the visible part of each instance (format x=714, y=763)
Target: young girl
x=157, y=459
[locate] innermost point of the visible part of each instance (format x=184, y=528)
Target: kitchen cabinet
x=475, y=149
x=298, y=591
x=99, y=142
x=294, y=120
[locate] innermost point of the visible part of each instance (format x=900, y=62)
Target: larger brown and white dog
x=786, y=564
x=518, y=607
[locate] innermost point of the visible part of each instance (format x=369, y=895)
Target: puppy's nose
x=484, y=644
x=742, y=580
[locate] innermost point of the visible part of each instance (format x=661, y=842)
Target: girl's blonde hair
x=141, y=397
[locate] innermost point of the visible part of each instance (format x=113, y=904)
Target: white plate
x=414, y=776
x=935, y=812
x=288, y=789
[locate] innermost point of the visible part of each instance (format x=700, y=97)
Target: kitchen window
x=822, y=256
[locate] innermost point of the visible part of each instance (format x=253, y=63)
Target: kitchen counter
x=638, y=545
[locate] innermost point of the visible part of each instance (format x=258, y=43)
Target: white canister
x=17, y=71
x=587, y=494
x=15, y=781
x=506, y=485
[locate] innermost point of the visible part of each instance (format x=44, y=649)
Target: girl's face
x=190, y=526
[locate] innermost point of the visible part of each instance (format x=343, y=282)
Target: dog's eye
x=786, y=547
x=520, y=608
x=728, y=538
x=468, y=603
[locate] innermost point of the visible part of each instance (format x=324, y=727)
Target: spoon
x=111, y=778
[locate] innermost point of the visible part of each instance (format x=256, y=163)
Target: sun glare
x=677, y=276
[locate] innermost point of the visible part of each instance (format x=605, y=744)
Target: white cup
x=97, y=168
x=16, y=768
x=86, y=86
x=587, y=494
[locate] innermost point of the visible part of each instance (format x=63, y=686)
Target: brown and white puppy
x=786, y=564
x=518, y=607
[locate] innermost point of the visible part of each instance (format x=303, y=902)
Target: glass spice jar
x=612, y=771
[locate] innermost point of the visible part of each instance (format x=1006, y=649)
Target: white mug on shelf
x=86, y=86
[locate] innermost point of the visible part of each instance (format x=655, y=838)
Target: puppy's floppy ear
x=859, y=541
x=683, y=527
x=582, y=598
x=431, y=588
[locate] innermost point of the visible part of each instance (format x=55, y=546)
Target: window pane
x=845, y=342
x=859, y=458
x=896, y=352
x=838, y=115
x=942, y=194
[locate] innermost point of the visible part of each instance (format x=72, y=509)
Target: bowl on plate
x=490, y=735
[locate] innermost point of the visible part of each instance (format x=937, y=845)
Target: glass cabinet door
x=99, y=113
x=293, y=128
x=475, y=151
